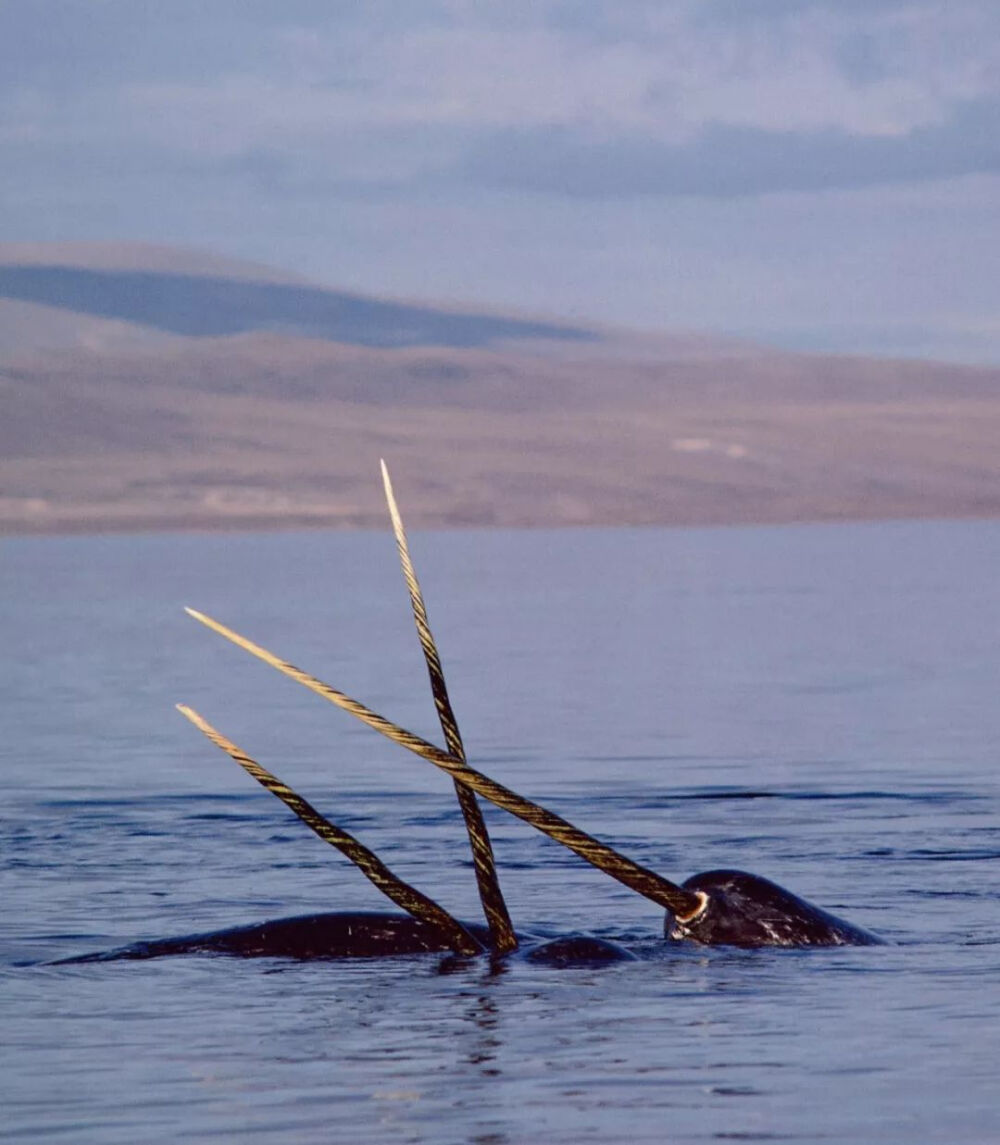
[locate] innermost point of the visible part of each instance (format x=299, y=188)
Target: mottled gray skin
x=747, y=910
x=348, y=934
x=740, y=910
x=341, y=935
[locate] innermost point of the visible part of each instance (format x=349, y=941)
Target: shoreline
x=366, y=523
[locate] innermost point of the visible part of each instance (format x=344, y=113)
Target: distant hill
x=154, y=387
x=199, y=306
x=239, y=300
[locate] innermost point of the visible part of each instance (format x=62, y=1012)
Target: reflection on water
x=815, y=704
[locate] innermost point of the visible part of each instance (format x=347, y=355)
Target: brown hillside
x=136, y=428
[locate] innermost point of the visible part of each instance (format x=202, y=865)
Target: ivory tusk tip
x=387, y=484
x=191, y=716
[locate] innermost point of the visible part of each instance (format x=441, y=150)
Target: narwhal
x=715, y=908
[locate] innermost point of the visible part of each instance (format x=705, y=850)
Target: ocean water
x=817, y=704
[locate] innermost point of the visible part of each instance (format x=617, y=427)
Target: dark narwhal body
x=356, y=934
x=344, y=934
x=735, y=909
x=717, y=908
x=738, y=909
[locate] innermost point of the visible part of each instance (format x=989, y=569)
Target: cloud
x=590, y=99
x=250, y=71
x=720, y=162
x=731, y=161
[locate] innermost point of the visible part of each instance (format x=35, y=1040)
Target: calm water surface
x=820, y=705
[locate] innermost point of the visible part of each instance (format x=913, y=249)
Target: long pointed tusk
x=490, y=894
x=409, y=898
x=639, y=879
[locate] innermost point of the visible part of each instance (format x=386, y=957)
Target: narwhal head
x=740, y=909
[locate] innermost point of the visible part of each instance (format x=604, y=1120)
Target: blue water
x=816, y=704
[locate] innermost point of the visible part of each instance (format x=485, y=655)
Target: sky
x=820, y=174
